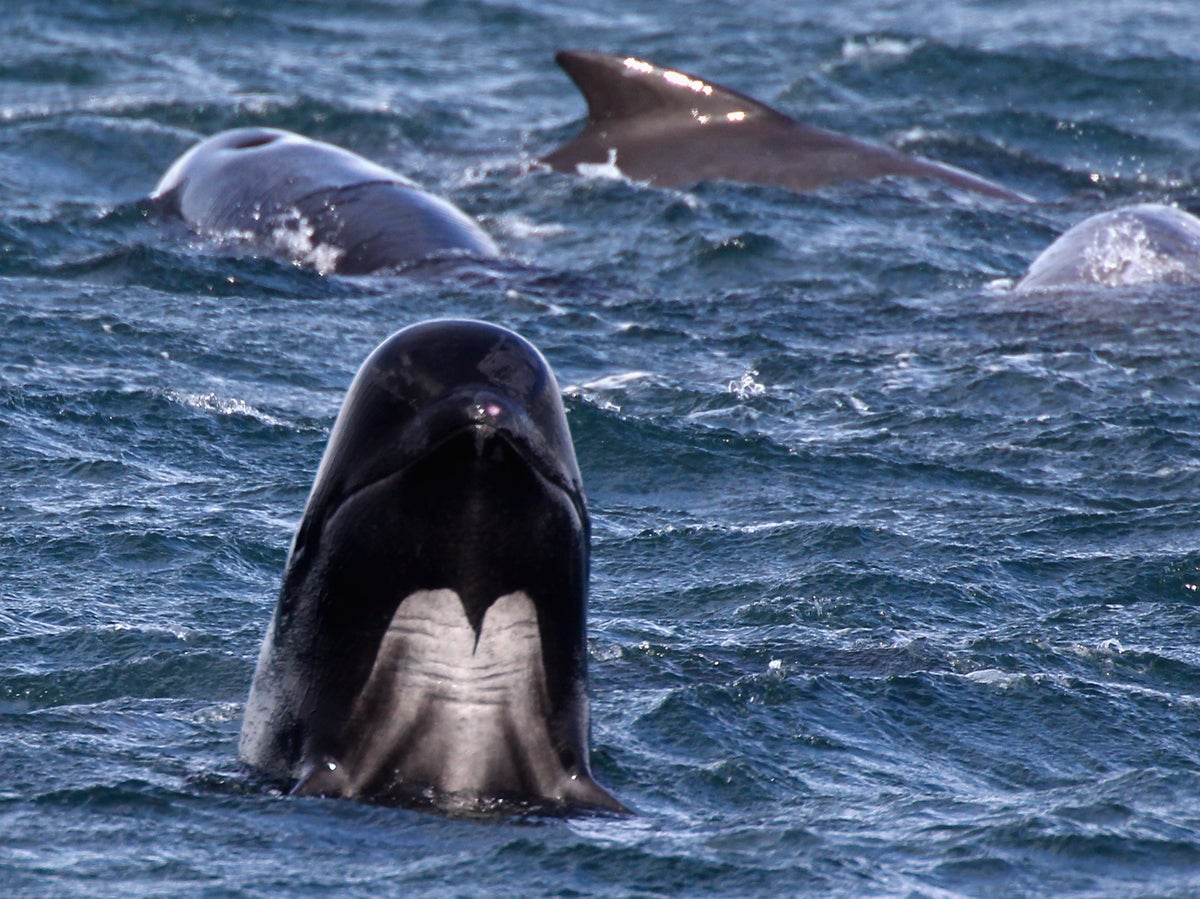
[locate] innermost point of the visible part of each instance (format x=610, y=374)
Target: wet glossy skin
x=1141, y=244
x=314, y=203
x=428, y=647
x=672, y=129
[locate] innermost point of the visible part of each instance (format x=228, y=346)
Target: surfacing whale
x=1144, y=244
x=313, y=203
x=428, y=647
x=671, y=129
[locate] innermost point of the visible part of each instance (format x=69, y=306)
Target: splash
x=747, y=385
x=293, y=234
x=210, y=402
x=1125, y=255
x=605, y=171
x=870, y=49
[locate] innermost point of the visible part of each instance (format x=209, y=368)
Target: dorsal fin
x=622, y=87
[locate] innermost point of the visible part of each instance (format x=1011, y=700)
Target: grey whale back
x=1142, y=244
x=313, y=202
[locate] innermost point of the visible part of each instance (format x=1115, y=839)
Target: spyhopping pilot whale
x=1143, y=244
x=314, y=203
x=428, y=646
x=671, y=129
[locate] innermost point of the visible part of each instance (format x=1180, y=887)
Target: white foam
x=1124, y=255
x=994, y=677
x=592, y=390
x=210, y=402
x=604, y=171
x=859, y=406
x=293, y=234
x=521, y=228
x=617, y=381
x=867, y=49
x=747, y=385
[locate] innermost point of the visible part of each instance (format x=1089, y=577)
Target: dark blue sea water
x=895, y=572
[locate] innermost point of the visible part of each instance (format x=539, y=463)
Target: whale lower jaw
x=446, y=713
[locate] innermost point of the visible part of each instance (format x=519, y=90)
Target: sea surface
x=896, y=572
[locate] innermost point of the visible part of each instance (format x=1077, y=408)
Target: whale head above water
x=428, y=647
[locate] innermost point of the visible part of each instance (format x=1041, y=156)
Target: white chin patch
x=446, y=711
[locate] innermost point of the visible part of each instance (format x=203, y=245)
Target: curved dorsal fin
x=622, y=87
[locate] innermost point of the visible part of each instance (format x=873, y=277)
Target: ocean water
x=895, y=571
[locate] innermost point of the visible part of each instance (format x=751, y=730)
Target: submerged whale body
x=428, y=647
x=671, y=129
x=1144, y=244
x=314, y=203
